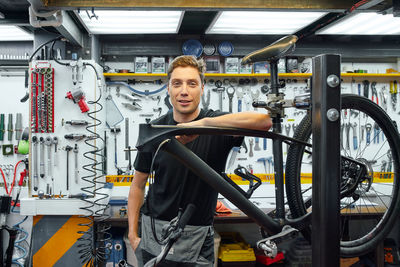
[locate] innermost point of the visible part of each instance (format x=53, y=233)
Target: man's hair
x=188, y=61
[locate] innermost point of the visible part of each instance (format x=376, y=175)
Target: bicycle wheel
x=371, y=196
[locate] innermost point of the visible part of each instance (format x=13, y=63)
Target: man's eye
x=193, y=84
x=176, y=84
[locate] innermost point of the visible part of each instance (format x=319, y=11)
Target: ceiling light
x=364, y=24
x=261, y=22
x=14, y=33
x=132, y=22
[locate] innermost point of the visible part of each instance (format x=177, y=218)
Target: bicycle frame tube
x=277, y=147
x=205, y=172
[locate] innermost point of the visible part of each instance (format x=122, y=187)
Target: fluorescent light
x=132, y=22
x=261, y=22
x=364, y=24
x=14, y=33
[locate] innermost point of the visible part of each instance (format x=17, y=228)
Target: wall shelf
x=292, y=75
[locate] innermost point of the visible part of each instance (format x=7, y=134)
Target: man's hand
x=134, y=240
x=184, y=139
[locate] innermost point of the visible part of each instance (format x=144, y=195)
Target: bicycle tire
x=368, y=240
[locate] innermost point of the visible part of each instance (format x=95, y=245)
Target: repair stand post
x=326, y=161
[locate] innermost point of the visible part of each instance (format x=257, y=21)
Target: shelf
x=293, y=75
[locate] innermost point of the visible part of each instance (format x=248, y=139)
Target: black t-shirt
x=175, y=186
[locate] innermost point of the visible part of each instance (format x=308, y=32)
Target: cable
x=91, y=245
x=37, y=49
x=15, y=174
x=4, y=179
x=151, y=182
x=18, y=241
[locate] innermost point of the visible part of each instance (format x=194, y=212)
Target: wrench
x=219, y=89
x=76, y=163
x=254, y=95
x=55, y=142
x=48, y=143
x=257, y=146
x=231, y=92
x=41, y=157
x=35, y=166
x=251, y=143
x=376, y=133
x=240, y=94
x=355, y=141
x=287, y=130
x=368, y=128
x=348, y=126
x=68, y=149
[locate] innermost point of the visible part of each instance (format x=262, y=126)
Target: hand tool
x=18, y=126
x=219, y=89
x=115, y=131
x=129, y=97
x=77, y=122
x=35, y=165
x=359, y=88
x=376, y=133
x=232, y=159
x=76, y=164
x=366, y=88
x=159, y=110
x=244, y=146
x=264, y=162
x=10, y=126
x=368, y=128
x=264, y=143
x=240, y=94
x=48, y=143
x=206, y=102
x=78, y=97
x=68, y=149
x=355, y=141
x=254, y=96
x=383, y=96
x=230, y=91
x=132, y=106
x=393, y=92
x=348, y=126
x=2, y=127
x=75, y=136
x=251, y=142
x=55, y=142
x=41, y=139
x=374, y=92
x=127, y=137
x=257, y=144
x=362, y=133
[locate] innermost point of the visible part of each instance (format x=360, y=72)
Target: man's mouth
x=184, y=101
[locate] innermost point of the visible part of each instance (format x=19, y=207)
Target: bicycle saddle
x=274, y=51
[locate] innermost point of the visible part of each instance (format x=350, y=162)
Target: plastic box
x=234, y=251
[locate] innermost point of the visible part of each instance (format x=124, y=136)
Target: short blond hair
x=187, y=61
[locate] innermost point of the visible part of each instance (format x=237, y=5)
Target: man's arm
x=135, y=201
x=246, y=120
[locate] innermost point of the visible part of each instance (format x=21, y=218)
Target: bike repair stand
x=326, y=168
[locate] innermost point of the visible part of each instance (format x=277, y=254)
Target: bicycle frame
x=150, y=135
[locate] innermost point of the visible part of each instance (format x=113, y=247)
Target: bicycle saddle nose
x=274, y=51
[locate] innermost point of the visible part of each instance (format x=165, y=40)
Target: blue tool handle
x=239, y=105
x=355, y=146
x=265, y=143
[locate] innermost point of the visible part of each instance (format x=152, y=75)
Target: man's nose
x=184, y=89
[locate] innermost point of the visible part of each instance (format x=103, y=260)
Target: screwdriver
x=77, y=122
x=74, y=136
x=2, y=127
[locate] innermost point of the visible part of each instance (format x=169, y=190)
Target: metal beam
x=70, y=31
x=204, y=4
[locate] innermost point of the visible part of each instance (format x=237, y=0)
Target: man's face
x=185, y=89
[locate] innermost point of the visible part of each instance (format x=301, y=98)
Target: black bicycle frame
x=150, y=136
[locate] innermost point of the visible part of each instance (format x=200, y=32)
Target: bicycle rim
x=375, y=198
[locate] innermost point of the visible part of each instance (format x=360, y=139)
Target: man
x=175, y=186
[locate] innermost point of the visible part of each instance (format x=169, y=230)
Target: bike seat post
x=277, y=144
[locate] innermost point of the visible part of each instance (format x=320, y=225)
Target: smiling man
x=175, y=186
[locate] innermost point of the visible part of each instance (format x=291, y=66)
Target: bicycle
x=369, y=172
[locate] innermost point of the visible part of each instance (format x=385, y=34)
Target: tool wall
x=66, y=119
x=142, y=98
